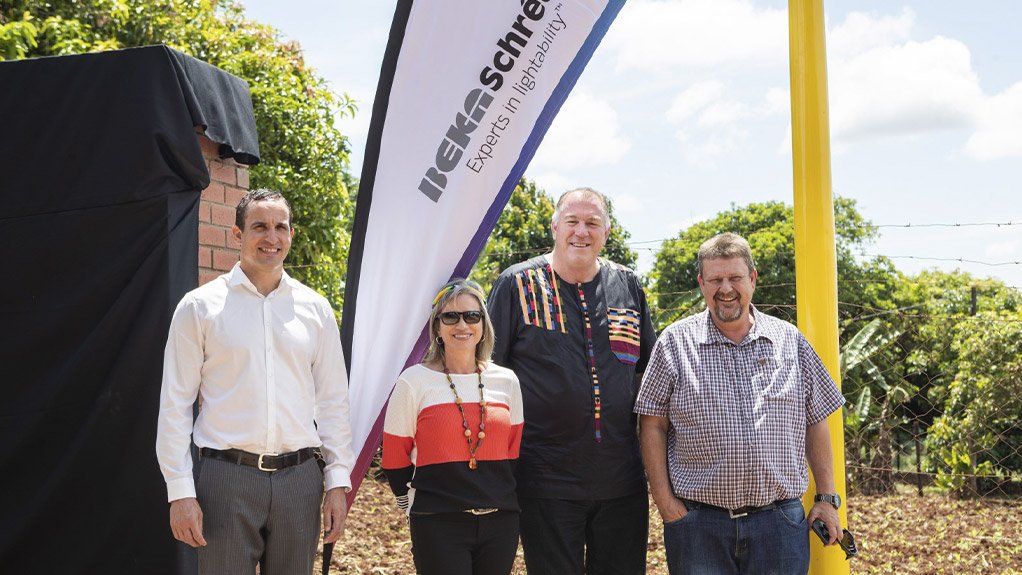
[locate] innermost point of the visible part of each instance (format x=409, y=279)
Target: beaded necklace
x=591, y=353
x=464, y=420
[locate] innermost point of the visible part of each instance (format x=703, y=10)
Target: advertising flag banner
x=467, y=91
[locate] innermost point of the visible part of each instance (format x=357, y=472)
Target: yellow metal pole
x=815, y=257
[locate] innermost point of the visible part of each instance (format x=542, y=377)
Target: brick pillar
x=218, y=250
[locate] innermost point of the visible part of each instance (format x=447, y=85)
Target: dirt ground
x=900, y=534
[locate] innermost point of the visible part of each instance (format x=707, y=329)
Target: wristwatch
x=832, y=498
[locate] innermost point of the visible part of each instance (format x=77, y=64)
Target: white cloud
x=665, y=34
x=861, y=32
x=705, y=152
x=586, y=132
x=883, y=83
x=777, y=101
x=722, y=113
x=695, y=98
x=708, y=121
x=553, y=183
x=999, y=130
x=784, y=148
x=909, y=88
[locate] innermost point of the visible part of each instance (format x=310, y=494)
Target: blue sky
x=684, y=110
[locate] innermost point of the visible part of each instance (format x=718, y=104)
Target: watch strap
x=832, y=498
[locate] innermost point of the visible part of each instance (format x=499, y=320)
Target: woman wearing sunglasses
x=450, y=441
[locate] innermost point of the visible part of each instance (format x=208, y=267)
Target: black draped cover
x=100, y=177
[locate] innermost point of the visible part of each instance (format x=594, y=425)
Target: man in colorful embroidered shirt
x=262, y=353
x=733, y=404
x=576, y=330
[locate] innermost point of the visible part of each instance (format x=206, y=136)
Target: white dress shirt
x=269, y=374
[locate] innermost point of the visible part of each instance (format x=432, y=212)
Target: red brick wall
x=218, y=250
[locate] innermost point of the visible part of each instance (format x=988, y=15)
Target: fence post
x=919, y=458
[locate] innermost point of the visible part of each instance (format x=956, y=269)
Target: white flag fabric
x=467, y=91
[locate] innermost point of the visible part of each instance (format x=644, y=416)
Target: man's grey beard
x=727, y=319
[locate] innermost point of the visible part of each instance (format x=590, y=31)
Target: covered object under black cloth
x=100, y=178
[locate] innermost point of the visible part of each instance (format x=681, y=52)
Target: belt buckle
x=485, y=511
x=731, y=513
x=259, y=464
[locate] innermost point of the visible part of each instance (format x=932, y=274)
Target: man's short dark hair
x=260, y=195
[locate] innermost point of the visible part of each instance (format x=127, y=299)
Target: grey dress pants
x=255, y=517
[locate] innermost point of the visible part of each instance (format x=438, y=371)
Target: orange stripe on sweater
x=397, y=451
x=440, y=434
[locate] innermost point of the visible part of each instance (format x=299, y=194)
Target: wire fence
x=931, y=369
x=935, y=399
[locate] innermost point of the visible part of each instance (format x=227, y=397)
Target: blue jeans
x=708, y=542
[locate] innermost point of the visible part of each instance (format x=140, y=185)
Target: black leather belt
x=741, y=511
x=263, y=461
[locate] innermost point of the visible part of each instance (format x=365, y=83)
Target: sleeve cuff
x=816, y=416
x=337, y=478
x=180, y=489
x=654, y=410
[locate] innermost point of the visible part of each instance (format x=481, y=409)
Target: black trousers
x=576, y=537
x=464, y=544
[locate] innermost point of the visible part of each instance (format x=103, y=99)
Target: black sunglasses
x=453, y=317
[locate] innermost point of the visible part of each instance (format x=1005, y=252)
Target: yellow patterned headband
x=443, y=291
x=460, y=282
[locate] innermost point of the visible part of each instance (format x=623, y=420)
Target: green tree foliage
x=978, y=438
x=523, y=231
x=913, y=361
x=770, y=229
x=931, y=306
x=302, y=154
x=936, y=302
x=944, y=316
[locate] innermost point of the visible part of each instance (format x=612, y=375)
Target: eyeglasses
x=453, y=317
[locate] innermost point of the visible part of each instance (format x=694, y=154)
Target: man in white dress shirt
x=262, y=354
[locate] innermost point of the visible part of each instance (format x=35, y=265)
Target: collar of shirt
x=236, y=277
x=762, y=327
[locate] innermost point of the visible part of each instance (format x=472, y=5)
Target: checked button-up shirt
x=738, y=412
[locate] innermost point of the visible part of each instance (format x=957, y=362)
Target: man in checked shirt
x=732, y=405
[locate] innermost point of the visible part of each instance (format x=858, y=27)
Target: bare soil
x=902, y=534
